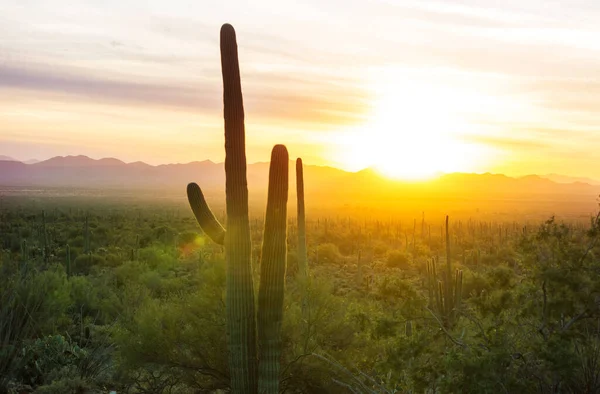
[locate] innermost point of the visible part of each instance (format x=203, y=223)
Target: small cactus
x=86, y=236
x=45, y=250
x=445, y=296
x=408, y=329
x=68, y=267
x=24, y=250
x=359, y=270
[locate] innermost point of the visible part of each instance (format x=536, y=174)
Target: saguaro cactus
x=302, y=253
x=272, y=273
x=445, y=295
x=68, y=262
x=448, y=276
x=44, y=237
x=359, y=270
x=247, y=374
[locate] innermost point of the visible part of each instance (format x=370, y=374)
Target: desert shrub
x=292, y=264
x=379, y=248
x=184, y=335
x=500, y=277
x=31, y=303
x=158, y=258
x=84, y=263
x=329, y=253
x=474, y=284
x=398, y=259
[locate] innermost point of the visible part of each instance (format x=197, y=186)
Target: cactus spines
x=245, y=370
x=209, y=224
x=272, y=273
x=302, y=253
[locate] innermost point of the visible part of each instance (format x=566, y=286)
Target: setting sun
x=413, y=130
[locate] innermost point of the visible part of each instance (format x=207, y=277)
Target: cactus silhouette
x=247, y=374
x=302, y=253
x=445, y=296
x=408, y=330
x=68, y=265
x=272, y=273
x=44, y=235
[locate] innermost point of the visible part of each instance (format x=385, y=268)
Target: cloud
x=300, y=101
x=103, y=89
x=506, y=143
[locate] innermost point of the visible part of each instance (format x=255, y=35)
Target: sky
x=410, y=87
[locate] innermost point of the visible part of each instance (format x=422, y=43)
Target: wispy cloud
x=300, y=101
x=95, y=88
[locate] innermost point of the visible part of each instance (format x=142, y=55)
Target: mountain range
x=82, y=171
x=8, y=158
x=326, y=186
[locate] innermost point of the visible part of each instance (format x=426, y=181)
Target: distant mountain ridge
x=571, y=179
x=8, y=158
x=111, y=173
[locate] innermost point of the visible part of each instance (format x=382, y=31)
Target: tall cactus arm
x=448, y=282
x=206, y=219
x=236, y=182
x=272, y=273
x=240, y=308
x=302, y=253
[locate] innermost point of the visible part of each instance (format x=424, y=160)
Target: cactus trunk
x=359, y=271
x=241, y=318
x=449, y=304
x=68, y=268
x=302, y=253
x=272, y=273
x=408, y=328
x=44, y=237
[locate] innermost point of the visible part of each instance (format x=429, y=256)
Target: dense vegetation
x=98, y=297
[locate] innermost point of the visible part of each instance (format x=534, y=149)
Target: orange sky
x=409, y=86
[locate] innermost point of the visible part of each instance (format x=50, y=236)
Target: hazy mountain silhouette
x=570, y=179
x=79, y=161
x=8, y=158
x=325, y=185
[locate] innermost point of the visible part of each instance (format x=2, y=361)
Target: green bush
x=329, y=253
x=398, y=259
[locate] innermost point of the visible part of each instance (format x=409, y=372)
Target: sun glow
x=413, y=130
